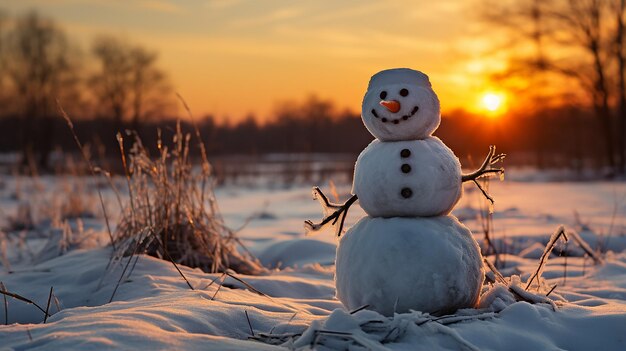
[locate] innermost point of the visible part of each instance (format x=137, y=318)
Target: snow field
x=154, y=307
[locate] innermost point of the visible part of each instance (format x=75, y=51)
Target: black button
x=405, y=153
x=406, y=193
x=405, y=168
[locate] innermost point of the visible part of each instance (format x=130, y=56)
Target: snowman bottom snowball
x=398, y=264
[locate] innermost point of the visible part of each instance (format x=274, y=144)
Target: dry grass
x=23, y=218
x=554, y=238
x=26, y=300
x=42, y=205
x=73, y=198
x=4, y=257
x=485, y=219
x=172, y=212
x=6, y=304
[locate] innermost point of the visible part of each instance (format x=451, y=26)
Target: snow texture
x=395, y=265
x=154, y=309
x=419, y=114
x=296, y=252
x=518, y=326
x=429, y=170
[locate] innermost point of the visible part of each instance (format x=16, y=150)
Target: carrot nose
x=393, y=105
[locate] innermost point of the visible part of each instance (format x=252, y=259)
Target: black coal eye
x=404, y=92
x=383, y=95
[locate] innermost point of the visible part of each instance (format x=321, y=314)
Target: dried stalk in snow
x=560, y=232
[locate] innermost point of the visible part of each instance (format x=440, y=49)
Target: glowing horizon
x=233, y=58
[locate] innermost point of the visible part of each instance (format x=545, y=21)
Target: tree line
x=41, y=67
x=562, y=137
x=118, y=85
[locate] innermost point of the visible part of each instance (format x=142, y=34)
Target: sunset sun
x=493, y=102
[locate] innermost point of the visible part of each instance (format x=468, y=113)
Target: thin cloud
x=161, y=6
x=275, y=16
x=221, y=4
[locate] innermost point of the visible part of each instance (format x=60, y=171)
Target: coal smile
x=396, y=121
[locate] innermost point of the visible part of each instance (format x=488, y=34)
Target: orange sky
x=233, y=57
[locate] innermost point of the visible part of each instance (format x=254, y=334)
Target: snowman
x=409, y=253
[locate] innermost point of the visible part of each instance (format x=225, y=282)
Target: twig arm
x=485, y=170
x=335, y=214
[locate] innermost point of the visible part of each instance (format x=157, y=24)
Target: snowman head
x=400, y=104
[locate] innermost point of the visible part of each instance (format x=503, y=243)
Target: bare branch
x=486, y=170
x=336, y=218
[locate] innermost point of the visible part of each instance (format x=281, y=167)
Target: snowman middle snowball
x=405, y=171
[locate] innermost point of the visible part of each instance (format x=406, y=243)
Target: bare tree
x=150, y=88
x=591, y=36
x=111, y=83
x=584, y=19
x=619, y=8
x=40, y=69
x=128, y=83
x=2, y=63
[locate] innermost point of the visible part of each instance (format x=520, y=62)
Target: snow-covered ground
x=294, y=304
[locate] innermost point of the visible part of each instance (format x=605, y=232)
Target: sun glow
x=493, y=103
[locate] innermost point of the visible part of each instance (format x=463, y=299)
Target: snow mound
x=519, y=326
x=533, y=251
x=154, y=308
x=400, y=264
x=298, y=252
